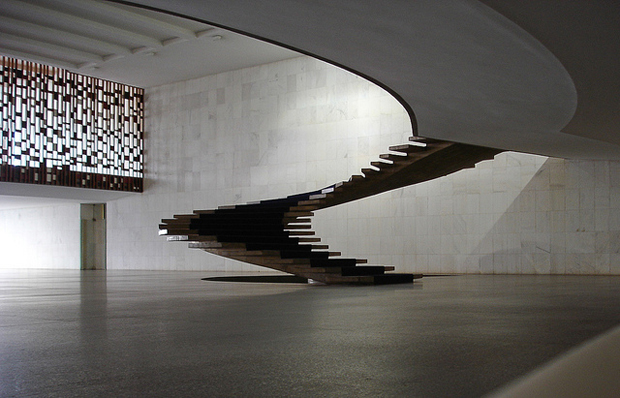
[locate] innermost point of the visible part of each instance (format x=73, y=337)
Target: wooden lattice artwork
x=62, y=128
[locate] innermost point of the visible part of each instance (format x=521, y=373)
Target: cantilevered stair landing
x=277, y=233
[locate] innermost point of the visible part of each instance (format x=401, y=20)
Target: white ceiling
x=126, y=44
x=121, y=43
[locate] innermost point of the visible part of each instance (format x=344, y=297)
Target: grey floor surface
x=166, y=334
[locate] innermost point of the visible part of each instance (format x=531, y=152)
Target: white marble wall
x=298, y=125
x=40, y=237
x=518, y=214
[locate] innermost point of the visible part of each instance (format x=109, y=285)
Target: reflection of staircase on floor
x=276, y=233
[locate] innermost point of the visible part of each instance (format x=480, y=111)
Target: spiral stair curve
x=276, y=233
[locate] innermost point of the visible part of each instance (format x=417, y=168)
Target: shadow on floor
x=259, y=279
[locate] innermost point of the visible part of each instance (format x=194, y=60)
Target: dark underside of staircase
x=276, y=233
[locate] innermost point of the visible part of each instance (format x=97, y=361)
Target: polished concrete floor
x=122, y=333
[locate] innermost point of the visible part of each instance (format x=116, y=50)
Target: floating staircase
x=277, y=234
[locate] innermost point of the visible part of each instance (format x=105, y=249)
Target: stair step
x=236, y=223
x=176, y=231
x=279, y=246
x=298, y=214
x=407, y=148
x=424, y=140
x=239, y=228
x=297, y=226
x=333, y=262
x=177, y=221
x=396, y=159
x=174, y=227
x=199, y=212
x=245, y=253
x=309, y=240
x=256, y=209
x=286, y=253
x=370, y=173
x=311, y=201
x=393, y=157
x=184, y=216
x=274, y=262
x=386, y=279
x=290, y=220
x=249, y=239
x=267, y=216
x=369, y=279
x=303, y=208
x=191, y=238
x=363, y=270
x=302, y=268
x=217, y=245
x=381, y=165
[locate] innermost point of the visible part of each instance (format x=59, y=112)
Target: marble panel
x=580, y=242
x=602, y=197
x=602, y=263
x=614, y=173
x=541, y=263
x=41, y=237
x=558, y=221
x=586, y=198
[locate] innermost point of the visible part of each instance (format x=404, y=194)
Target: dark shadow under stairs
x=277, y=234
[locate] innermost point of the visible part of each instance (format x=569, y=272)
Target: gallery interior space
x=128, y=126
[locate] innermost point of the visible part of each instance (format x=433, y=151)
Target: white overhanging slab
x=19, y=195
x=465, y=72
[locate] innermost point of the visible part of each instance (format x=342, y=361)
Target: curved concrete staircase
x=276, y=233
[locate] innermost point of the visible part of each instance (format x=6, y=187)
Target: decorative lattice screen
x=62, y=128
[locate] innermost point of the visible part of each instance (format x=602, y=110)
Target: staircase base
x=385, y=279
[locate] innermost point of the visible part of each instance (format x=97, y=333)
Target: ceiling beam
x=127, y=16
x=42, y=47
x=15, y=26
x=86, y=25
x=29, y=56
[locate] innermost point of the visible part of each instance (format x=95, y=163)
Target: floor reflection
x=120, y=333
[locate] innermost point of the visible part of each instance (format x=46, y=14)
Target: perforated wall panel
x=62, y=128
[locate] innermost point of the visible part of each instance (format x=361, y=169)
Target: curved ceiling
x=466, y=72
